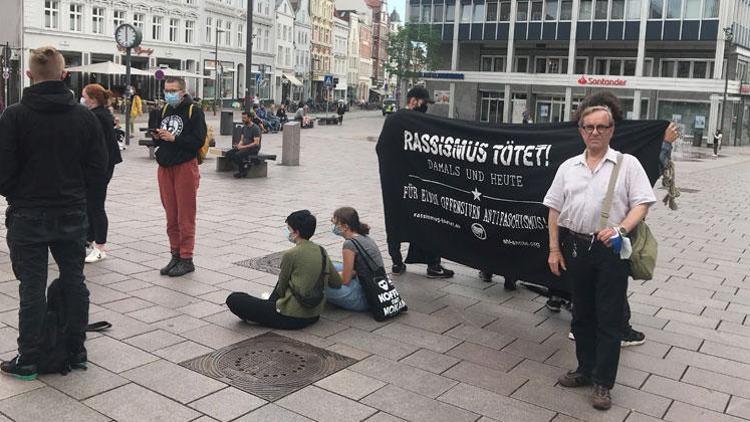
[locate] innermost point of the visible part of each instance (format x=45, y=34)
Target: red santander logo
x=601, y=81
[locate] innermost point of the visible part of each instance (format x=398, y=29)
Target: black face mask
x=422, y=108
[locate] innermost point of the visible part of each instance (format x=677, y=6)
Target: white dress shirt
x=577, y=193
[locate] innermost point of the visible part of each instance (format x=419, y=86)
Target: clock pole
x=128, y=96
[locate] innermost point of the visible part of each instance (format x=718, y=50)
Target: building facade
x=284, y=80
x=365, y=59
x=340, y=58
x=302, y=40
x=321, y=12
x=380, y=30
x=352, y=57
x=665, y=59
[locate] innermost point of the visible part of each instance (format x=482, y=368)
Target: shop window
x=584, y=13
x=634, y=9
x=655, y=9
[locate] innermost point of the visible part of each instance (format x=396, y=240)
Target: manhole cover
x=269, y=366
x=269, y=263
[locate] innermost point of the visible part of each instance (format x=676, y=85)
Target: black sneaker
x=182, y=267
x=485, y=276
x=439, y=272
x=632, y=338
x=18, y=369
x=554, y=304
x=509, y=284
x=172, y=263
x=398, y=269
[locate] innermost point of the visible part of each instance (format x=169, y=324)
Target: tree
x=413, y=49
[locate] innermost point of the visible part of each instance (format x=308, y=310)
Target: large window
x=174, y=25
x=493, y=64
x=617, y=67
x=118, y=18
x=51, y=14
x=189, y=32
x=97, y=20
x=76, y=17
x=156, y=27
x=655, y=9
x=634, y=9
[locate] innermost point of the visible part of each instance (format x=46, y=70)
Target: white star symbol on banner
x=476, y=194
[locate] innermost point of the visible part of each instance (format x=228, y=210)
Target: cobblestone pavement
x=466, y=351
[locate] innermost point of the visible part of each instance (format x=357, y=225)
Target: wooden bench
x=258, y=164
x=151, y=146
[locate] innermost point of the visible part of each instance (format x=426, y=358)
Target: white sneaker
x=96, y=255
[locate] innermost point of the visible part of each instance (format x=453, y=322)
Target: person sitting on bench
x=249, y=144
x=301, y=117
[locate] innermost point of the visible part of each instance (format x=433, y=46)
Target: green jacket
x=301, y=267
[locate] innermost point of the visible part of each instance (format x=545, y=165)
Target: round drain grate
x=270, y=366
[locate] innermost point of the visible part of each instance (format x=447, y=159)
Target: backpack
x=54, y=345
x=203, y=151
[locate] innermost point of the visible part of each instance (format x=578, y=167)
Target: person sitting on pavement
x=350, y=295
x=299, y=297
x=248, y=145
x=586, y=254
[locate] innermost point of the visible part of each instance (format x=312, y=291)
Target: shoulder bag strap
x=607, y=205
x=365, y=255
x=318, y=284
x=164, y=111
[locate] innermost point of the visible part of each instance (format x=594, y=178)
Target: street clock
x=128, y=36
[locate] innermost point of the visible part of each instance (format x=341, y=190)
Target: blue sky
x=399, y=5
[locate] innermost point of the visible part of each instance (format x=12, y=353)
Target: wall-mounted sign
x=442, y=97
x=601, y=81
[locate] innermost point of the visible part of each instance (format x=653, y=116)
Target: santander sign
x=601, y=81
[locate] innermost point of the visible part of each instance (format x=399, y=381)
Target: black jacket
x=51, y=149
x=107, y=122
x=189, y=131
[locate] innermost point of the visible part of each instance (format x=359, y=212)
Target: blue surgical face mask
x=289, y=235
x=172, y=98
x=336, y=230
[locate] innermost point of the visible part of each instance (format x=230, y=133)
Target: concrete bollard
x=290, y=144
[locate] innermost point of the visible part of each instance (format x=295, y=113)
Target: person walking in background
x=717, y=142
x=52, y=153
x=136, y=109
x=583, y=250
x=179, y=139
x=96, y=99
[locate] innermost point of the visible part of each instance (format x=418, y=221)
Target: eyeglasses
x=172, y=91
x=589, y=129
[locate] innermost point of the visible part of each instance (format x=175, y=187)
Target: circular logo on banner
x=479, y=231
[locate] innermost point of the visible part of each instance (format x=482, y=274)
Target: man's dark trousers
x=599, y=280
x=238, y=156
x=31, y=234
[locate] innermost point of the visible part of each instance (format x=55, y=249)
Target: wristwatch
x=622, y=231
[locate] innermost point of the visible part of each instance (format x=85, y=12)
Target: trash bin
x=697, y=137
x=225, y=127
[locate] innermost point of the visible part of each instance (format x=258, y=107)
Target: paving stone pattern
x=466, y=351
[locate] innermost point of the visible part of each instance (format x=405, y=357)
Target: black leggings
x=98, y=221
x=263, y=312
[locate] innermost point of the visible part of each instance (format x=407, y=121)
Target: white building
x=180, y=34
x=352, y=65
x=340, y=57
x=284, y=79
x=302, y=37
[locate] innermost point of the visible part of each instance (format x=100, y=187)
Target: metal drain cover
x=269, y=263
x=269, y=366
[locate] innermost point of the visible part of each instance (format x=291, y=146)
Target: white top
x=578, y=193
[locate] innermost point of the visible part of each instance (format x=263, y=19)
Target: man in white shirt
x=584, y=252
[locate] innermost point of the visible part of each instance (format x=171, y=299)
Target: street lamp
x=216, y=66
x=728, y=36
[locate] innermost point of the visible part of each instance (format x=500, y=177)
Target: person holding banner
x=350, y=295
x=417, y=99
x=588, y=255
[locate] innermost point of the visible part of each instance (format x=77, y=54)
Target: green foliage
x=414, y=48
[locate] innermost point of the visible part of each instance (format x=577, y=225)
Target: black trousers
x=263, y=312
x=97, y=215
x=415, y=252
x=238, y=156
x=599, y=280
x=31, y=234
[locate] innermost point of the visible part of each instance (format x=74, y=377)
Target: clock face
x=127, y=36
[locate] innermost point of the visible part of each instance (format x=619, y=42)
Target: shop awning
x=293, y=79
x=378, y=91
x=108, y=68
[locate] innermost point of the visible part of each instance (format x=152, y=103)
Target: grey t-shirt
x=370, y=248
x=250, y=133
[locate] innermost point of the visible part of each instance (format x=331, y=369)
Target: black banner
x=473, y=193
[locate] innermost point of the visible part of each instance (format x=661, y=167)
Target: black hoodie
x=51, y=149
x=188, y=128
